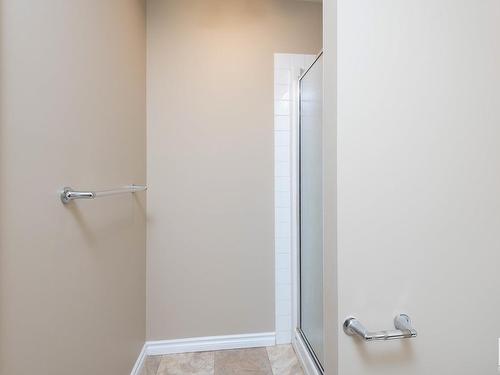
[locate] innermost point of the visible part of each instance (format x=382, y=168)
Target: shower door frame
x=299, y=340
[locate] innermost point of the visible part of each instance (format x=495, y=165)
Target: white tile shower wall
x=287, y=68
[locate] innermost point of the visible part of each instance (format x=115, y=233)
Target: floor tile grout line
x=159, y=363
x=268, y=362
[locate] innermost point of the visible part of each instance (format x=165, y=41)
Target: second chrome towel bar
x=402, y=323
x=68, y=194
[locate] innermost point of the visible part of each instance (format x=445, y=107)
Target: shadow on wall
x=114, y=220
x=401, y=351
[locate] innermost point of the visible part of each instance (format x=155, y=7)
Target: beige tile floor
x=273, y=360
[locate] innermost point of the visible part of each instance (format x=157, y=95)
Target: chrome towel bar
x=402, y=323
x=68, y=194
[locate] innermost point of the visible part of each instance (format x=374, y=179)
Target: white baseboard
x=140, y=362
x=303, y=355
x=200, y=344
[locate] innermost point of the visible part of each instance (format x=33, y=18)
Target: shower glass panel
x=311, y=210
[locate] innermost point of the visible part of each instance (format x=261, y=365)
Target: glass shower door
x=311, y=210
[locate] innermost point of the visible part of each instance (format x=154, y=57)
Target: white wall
x=419, y=182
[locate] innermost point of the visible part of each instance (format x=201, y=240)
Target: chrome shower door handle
x=402, y=323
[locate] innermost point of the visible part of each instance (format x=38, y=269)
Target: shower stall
x=310, y=213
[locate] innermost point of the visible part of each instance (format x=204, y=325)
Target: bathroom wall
x=210, y=160
x=419, y=182
x=72, y=278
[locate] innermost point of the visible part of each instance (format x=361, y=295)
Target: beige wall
x=419, y=182
x=210, y=160
x=72, y=279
